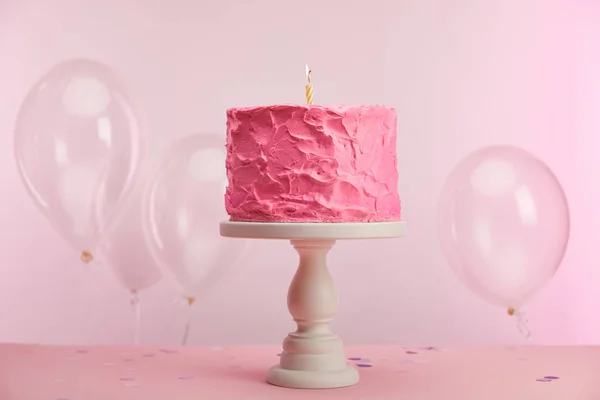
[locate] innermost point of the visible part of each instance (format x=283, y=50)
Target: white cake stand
x=313, y=356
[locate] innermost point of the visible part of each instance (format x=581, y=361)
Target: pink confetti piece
x=82, y=351
x=128, y=360
x=421, y=361
x=127, y=378
x=186, y=378
x=149, y=355
x=543, y=380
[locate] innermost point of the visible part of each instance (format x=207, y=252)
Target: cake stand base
x=313, y=356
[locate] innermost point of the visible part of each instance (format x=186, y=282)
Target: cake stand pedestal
x=313, y=356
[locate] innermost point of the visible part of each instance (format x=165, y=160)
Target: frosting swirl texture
x=312, y=163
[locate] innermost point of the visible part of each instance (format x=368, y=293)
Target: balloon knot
x=86, y=256
x=511, y=311
x=190, y=300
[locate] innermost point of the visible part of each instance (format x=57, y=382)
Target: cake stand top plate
x=312, y=230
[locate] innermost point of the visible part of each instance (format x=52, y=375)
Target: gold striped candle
x=309, y=88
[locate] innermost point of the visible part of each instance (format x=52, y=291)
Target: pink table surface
x=30, y=372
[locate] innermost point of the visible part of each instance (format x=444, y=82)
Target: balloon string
x=188, y=322
x=135, y=304
x=523, y=326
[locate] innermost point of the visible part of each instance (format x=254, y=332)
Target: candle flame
x=308, y=73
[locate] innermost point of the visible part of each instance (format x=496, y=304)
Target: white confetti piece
x=130, y=384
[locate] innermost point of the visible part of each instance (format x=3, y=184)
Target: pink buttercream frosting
x=311, y=163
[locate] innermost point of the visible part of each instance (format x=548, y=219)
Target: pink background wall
x=462, y=74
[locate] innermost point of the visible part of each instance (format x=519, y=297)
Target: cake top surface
x=341, y=108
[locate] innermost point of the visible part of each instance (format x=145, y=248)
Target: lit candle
x=309, y=88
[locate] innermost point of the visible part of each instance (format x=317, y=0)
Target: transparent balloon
x=503, y=224
x=72, y=128
x=183, y=208
x=125, y=250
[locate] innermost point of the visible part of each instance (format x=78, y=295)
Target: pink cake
x=310, y=163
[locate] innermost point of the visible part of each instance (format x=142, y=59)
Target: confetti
x=412, y=352
x=130, y=384
x=354, y=358
x=149, y=355
x=127, y=378
x=279, y=355
x=82, y=352
x=364, y=365
x=59, y=380
x=108, y=364
x=186, y=378
x=166, y=351
x=543, y=380
x=551, y=377
x=128, y=360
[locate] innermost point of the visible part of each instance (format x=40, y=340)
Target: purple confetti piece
x=148, y=355
x=364, y=365
x=551, y=377
x=127, y=378
x=82, y=352
x=412, y=352
x=186, y=378
x=543, y=380
x=279, y=355
x=354, y=358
